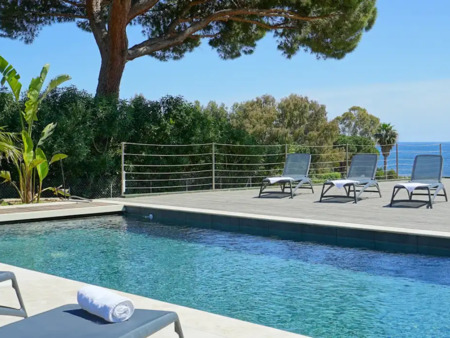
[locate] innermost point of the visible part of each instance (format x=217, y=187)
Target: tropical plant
x=28, y=158
x=8, y=149
x=386, y=136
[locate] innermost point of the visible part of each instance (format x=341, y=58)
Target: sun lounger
x=426, y=176
x=296, y=169
x=70, y=321
x=8, y=311
x=361, y=174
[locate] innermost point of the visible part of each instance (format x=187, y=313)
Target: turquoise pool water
x=316, y=290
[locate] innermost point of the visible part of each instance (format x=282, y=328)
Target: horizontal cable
x=241, y=177
x=159, y=155
x=249, y=145
x=169, y=187
x=324, y=174
x=419, y=145
x=314, y=163
x=166, y=165
x=245, y=155
x=248, y=171
x=329, y=154
x=167, y=172
x=241, y=183
x=419, y=152
x=172, y=179
x=250, y=164
x=169, y=145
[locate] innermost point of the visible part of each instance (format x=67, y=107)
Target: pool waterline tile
x=298, y=231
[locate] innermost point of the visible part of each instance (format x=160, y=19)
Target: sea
x=407, y=151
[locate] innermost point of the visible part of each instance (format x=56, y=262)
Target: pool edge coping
x=58, y=213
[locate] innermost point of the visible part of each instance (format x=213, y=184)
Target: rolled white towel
x=105, y=304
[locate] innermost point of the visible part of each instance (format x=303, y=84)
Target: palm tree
x=386, y=136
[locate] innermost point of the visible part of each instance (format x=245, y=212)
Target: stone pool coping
x=54, y=210
x=42, y=292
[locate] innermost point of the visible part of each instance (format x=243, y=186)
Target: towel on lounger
x=340, y=183
x=411, y=186
x=273, y=180
x=105, y=304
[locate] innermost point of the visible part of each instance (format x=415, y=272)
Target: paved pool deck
x=52, y=210
x=42, y=292
x=371, y=212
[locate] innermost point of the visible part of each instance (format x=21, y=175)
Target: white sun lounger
x=426, y=175
x=361, y=174
x=296, y=169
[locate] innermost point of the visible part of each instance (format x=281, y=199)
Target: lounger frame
x=301, y=181
x=351, y=188
x=9, y=311
x=363, y=183
x=431, y=189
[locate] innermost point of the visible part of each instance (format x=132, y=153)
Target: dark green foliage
x=294, y=119
x=358, y=122
x=391, y=174
x=89, y=130
x=357, y=144
x=325, y=28
x=326, y=176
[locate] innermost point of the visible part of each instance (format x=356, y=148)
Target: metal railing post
x=285, y=151
x=396, y=158
x=123, y=179
x=440, y=149
x=213, y=167
x=346, y=159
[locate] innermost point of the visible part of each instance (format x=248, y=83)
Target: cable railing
x=160, y=168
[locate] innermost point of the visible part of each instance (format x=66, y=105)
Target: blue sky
x=400, y=71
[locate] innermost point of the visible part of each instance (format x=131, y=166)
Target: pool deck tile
x=42, y=292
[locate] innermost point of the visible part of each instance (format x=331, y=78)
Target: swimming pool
x=316, y=290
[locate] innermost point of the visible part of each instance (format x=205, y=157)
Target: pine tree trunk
x=110, y=75
x=113, y=48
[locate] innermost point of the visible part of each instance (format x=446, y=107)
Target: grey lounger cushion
x=70, y=321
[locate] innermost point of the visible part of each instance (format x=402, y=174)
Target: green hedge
x=89, y=130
